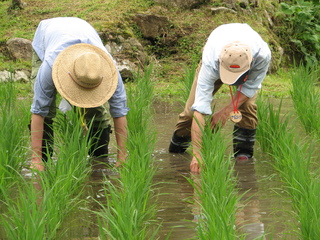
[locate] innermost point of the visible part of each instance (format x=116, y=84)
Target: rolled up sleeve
x=44, y=91
x=256, y=76
x=118, y=101
x=204, y=89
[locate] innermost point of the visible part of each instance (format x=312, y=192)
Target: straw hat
x=85, y=75
x=235, y=61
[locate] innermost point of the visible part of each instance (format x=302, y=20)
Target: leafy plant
x=303, y=28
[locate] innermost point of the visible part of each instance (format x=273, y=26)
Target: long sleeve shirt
x=209, y=71
x=53, y=36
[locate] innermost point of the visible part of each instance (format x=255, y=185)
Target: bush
x=303, y=28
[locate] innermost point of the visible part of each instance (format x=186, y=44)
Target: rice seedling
x=292, y=158
x=306, y=97
x=130, y=209
x=71, y=149
x=271, y=123
x=217, y=193
x=23, y=219
x=42, y=204
x=13, y=143
x=37, y=212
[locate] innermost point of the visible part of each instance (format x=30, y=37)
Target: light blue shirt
x=51, y=37
x=209, y=71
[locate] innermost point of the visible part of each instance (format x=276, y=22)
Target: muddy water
x=265, y=208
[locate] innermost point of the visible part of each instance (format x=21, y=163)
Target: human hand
x=37, y=164
x=195, y=166
x=219, y=117
x=121, y=158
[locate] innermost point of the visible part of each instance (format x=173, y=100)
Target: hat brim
x=74, y=93
x=232, y=78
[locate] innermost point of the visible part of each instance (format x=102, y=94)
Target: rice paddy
x=153, y=195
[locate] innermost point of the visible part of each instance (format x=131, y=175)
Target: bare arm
x=196, y=135
x=37, y=123
x=120, y=126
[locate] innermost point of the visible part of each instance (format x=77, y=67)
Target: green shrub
x=303, y=28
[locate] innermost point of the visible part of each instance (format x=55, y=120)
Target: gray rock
x=152, y=26
x=6, y=76
x=19, y=48
x=222, y=9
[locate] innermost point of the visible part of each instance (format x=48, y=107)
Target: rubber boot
x=243, y=141
x=99, y=142
x=179, y=144
x=47, y=139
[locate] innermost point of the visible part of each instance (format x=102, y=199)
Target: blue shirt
x=209, y=71
x=51, y=37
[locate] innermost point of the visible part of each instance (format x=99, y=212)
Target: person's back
x=54, y=35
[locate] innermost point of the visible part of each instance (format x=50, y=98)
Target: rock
x=159, y=33
x=19, y=48
x=222, y=9
x=6, y=76
x=130, y=48
x=185, y=4
x=152, y=26
x=129, y=55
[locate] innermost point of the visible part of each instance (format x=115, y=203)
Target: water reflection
x=175, y=193
x=248, y=216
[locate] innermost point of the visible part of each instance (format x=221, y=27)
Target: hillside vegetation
x=115, y=17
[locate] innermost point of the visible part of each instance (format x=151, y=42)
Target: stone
x=19, y=48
